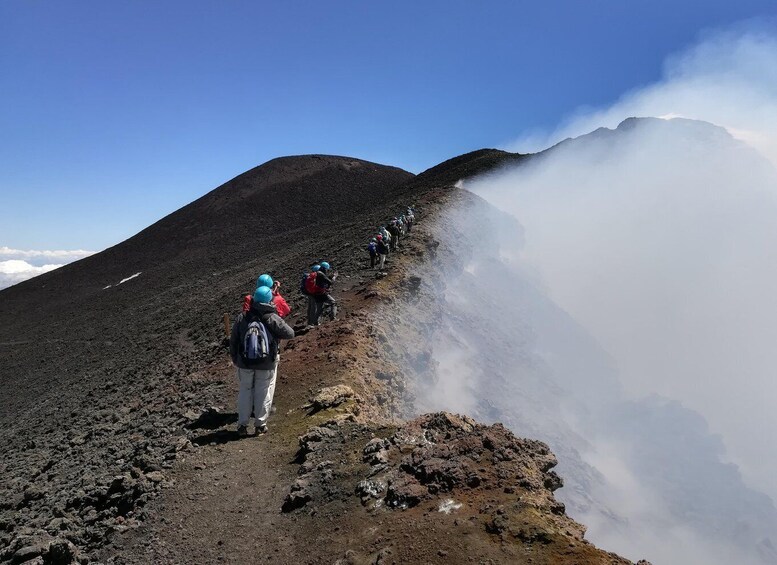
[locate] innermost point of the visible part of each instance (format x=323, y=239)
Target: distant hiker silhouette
x=383, y=250
x=319, y=290
x=393, y=229
x=386, y=235
x=372, y=249
x=253, y=346
x=309, y=289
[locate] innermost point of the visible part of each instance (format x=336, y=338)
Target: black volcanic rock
x=97, y=376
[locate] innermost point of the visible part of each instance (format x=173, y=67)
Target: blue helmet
x=316, y=267
x=264, y=280
x=263, y=294
x=324, y=266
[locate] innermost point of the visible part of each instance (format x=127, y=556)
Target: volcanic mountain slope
x=276, y=217
x=91, y=441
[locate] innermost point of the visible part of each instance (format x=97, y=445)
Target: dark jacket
x=383, y=248
x=270, y=318
x=323, y=281
x=394, y=231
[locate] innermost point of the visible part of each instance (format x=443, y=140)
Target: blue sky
x=116, y=114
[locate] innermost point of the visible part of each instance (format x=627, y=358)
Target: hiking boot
x=261, y=429
x=242, y=431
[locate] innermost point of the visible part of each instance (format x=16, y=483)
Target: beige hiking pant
x=257, y=387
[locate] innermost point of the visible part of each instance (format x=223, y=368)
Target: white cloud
x=15, y=271
x=64, y=256
x=17, y=265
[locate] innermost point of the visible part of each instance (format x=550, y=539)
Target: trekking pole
x=226, y=325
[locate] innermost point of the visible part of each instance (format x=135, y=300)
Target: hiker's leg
x=263, y=394
x=244, y=396
x=332, y=306
x=382, y=260
x=311, y=310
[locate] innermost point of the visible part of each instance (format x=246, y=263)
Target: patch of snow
x=122, y=281
x=448, y=506
x=107, y=287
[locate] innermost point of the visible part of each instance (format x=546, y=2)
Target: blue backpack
x=372, y=248
x=257, y=344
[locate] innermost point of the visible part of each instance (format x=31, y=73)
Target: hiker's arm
x=279, y=328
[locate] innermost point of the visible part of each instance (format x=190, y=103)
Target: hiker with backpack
x=382, y=250
x=410, y=219
x=253, y=346
x=308, y=288
x=372, y=249
x=394, y=231
x=386, y=235
x=319, y=290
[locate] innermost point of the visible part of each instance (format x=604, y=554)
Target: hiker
x=394, y=231
x=321, y=293
x=386, y=235
x=309, y=290
x=372, y=249
x=410, y=219
x=262, y=280
x=278, y=301
x=253, y=346
x=382, y=249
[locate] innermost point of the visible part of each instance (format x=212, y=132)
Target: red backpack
x=247, y=301
x=310, y=284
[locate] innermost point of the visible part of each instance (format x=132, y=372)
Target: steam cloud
x=729, y=79
x=659, y=241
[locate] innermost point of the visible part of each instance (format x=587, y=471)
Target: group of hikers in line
x=387, y=238
x=258, y=329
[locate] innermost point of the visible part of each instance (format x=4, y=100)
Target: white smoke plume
x=729, y=78
x=660, y=241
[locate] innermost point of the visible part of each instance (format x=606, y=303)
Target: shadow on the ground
x=217, y=437
x=212, y=420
